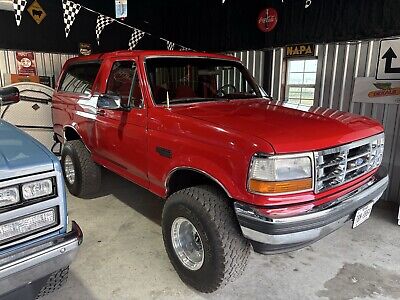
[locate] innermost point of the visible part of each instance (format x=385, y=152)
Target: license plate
x=362, y=214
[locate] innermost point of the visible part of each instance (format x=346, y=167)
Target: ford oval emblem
x=359, y=162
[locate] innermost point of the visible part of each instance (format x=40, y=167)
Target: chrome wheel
x=187, y=244
x=69, y=169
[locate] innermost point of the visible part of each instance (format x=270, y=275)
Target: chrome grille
x=340, y=165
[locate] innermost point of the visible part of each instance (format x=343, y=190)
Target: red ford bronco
x=237, y=169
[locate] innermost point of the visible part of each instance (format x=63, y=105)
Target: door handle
x=101, y=112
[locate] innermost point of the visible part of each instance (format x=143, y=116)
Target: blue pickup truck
x=35, y=247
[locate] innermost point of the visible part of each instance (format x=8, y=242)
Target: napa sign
x=300, y=50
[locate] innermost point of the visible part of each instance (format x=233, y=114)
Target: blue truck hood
x=20, y=154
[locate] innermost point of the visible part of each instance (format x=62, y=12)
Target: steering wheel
x=221, y=92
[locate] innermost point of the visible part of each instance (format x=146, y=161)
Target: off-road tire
x=226, y=251
x=55, y=282
x=87, y=172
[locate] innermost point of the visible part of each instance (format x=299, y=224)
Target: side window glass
x=124, y=82
x=80, y=78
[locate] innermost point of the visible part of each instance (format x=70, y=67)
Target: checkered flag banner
x=19, y=7
x=135, y=38
x=184, y=49
x=170, y=45
x=102, y=22
x=71, y=9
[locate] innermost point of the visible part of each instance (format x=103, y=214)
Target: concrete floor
x=123, y=257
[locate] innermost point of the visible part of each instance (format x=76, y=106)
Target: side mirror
x=109, y=102
x=9, y=95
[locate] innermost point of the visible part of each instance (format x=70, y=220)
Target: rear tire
x=82, y=175
x=55, y=282
x=225, y=250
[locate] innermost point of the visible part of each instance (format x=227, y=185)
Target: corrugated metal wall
x=47, y=64
x=338, y=66
x=254, y=62
x=33, y=120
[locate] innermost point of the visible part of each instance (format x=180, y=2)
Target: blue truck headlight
x=9, y=196
x=27, y=225
x=37, y=189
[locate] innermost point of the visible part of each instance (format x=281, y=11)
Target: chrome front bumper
x=276, y=235
x=38, y=260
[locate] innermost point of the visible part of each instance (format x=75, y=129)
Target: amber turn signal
x=268, y=187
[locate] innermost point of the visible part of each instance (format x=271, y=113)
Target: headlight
x=28, y=224
x=377, y=149
x=37, y=189
x=9, y=196
x=272, y=175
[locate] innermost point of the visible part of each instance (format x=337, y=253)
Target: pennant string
x=126, y=25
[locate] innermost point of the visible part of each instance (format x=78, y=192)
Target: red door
x=121, y=134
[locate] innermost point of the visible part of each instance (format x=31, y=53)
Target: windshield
x=190, y=80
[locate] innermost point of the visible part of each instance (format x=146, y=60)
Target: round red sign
x=267, y=19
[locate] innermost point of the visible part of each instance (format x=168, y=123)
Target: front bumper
x=38, y=260
x=276, y=235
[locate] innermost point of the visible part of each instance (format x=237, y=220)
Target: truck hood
x=20, y=154
x=288, y=130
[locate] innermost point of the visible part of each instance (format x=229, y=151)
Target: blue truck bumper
x=28, y=265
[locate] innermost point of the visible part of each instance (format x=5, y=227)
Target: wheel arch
x=183, y=177
x=71, y=133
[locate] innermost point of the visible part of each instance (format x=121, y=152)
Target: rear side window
x=80, y=78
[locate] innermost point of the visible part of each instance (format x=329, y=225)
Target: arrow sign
x=389, y=56
x=388, y=60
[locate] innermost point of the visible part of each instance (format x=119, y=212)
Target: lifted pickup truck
x=35, y=247
x=237, y=169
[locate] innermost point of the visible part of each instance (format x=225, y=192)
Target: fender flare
x=74, y=128
x=200, y=171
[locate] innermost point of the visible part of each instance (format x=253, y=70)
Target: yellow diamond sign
x=37, y=12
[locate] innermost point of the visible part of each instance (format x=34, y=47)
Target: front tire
x=54, y=282
x=212, y=250
x=82, y=175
